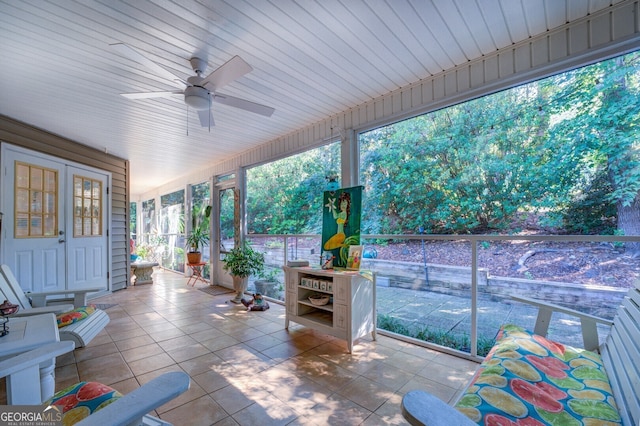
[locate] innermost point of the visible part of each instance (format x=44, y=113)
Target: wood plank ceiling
x=311, y=59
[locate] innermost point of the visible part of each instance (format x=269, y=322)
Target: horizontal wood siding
x=21, y=134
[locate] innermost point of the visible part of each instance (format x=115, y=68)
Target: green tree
x=566, y=146
x=599, y=135
x=285, y=196
x=466, y=168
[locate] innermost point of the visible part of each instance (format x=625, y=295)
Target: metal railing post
x=474, y=297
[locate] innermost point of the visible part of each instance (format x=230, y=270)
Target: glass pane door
x=227, y=215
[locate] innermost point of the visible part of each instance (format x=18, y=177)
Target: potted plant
x=196, y=239
x=267, y=281
x=199, y=235
x=241, y=262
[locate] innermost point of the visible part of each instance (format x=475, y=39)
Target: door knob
x=61, y=240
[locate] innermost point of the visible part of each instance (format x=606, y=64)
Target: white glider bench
x=80, y=332
x=100, y=404
x=527, y=379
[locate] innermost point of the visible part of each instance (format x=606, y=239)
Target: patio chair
x=76, y=323
x=130, y=409
x=15, y=294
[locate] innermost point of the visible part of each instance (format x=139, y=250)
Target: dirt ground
x=587, y=263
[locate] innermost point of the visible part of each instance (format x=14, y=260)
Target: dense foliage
x=565, y=147
x=285, y=196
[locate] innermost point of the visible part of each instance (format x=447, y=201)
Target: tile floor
x=246, y=369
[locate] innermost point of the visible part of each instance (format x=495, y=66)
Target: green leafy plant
x=197, y=238
x=269, y=274
x=199, y=235
x=243, y=261
x=143, y=250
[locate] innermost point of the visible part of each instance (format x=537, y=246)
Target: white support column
x=350, y=158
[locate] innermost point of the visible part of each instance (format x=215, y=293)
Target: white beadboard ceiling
x=311, y=59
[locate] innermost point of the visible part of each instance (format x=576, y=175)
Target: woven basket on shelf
x=319, y=300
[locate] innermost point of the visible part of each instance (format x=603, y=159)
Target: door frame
x=218, y=275
x=66, y=202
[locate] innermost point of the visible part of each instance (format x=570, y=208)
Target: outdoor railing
x=459, y=301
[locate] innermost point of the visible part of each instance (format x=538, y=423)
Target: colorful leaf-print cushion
x=78, y=314
x=528, y=380
x=80, y=400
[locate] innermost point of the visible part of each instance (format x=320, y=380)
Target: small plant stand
x=196, y=275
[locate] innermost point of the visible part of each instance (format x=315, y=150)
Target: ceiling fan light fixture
x=200, y=91
x=197, y=97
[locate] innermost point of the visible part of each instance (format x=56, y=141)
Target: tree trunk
x=629, y=224
x=628, y=212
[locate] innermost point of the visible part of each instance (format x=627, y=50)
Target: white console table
x=26, y=333
x=350, y=314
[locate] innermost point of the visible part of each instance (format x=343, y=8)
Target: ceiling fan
x=198, y=91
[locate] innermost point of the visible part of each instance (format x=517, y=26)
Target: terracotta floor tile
x=141, y=352
x=203, y=411
x=187, y=352
x=107, y=369
x=217, y=343
x=201, y=364
x=90, y=352
x=231, y=399
x=154, y=362
x=134, y=342
x=211, y=381
x=366, y=393
x=390, y=376
x=268, y=411
x=338, y=411
x=246, y=369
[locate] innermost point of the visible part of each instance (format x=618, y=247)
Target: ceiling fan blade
x=147, y=95
x=243, y=104
x=134, y=55
x=206, y=118
x=234, y=68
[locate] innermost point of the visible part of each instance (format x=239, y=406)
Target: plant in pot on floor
x=242, y=262
x=199, y=235
x=267, y=281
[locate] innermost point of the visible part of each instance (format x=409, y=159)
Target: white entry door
x=54, y=233
x=86, y=229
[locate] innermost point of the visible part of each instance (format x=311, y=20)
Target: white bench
x=620, y=356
